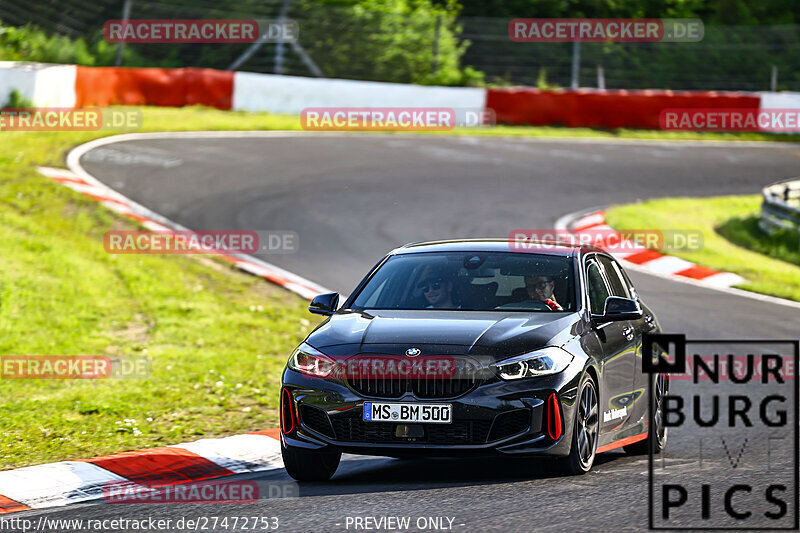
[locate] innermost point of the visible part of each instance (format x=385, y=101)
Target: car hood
x=498, y=334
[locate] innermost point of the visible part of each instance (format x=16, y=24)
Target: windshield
x=484, y=281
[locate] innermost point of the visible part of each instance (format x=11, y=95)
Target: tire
x=310, y=465
x=586, y=427
x=661, y=384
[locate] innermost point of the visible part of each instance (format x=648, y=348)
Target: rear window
x=483, y=281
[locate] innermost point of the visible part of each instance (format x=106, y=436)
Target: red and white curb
x=69, y=482
x=125, y=206
x=593, y=222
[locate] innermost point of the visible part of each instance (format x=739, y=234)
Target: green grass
x=732, y=240
x=218, y=338
x=744, y=231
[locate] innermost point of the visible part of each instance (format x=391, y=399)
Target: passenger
x=541, y=288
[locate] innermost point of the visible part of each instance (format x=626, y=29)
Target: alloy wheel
x=659, y=392
x=588, y=422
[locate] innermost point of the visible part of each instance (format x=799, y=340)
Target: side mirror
x=324, y=304
x=617, y=309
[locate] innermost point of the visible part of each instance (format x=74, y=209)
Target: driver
x=541, y=288
x=437, y=289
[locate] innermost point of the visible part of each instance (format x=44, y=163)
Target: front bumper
x=496, y=418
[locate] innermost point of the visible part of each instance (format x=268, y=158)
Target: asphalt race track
x=353, y=198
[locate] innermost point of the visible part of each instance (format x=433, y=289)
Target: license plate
x=408, y=412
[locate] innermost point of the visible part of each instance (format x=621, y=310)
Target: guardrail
x=781, y=206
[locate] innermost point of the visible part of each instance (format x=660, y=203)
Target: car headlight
x=544, y=362
x=311, y=362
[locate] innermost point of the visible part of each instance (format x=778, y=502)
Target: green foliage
x=541, y=81
x=726, y=12
x=404, y=41
x=728, y=58
x=16, y=100
x=739, y=57
x=29, y=43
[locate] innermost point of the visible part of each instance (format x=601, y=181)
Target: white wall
x=291, y=94
x=43, y=84
x=785, y=100
x=781, y=100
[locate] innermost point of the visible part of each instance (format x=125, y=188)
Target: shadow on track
x=375, y=475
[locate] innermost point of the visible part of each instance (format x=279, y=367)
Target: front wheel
x=310, y=465
x=585, y=431
x=660, y=390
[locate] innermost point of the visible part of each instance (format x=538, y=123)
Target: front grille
x=463, y=432
x=316, y=420
x=463, y=380
x=510, y=423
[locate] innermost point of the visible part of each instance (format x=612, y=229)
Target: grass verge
x=732, y=240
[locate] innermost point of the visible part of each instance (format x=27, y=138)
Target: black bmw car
x=470, y=347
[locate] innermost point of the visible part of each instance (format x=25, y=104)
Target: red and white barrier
x=71, y=86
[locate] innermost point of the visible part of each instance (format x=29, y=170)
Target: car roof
x=496, y=245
